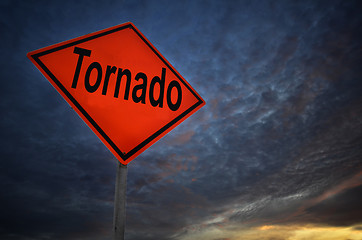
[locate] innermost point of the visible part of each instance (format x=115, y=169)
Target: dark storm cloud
x=296, y=101
x=281, y=126
x=340, y=210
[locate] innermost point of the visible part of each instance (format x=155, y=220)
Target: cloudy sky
x=274, y=154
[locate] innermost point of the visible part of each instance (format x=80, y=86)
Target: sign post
x=120, y=196
x=123, y=89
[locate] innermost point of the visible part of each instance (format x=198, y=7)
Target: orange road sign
x=121, y=86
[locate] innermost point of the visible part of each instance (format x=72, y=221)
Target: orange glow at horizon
x=282, y=232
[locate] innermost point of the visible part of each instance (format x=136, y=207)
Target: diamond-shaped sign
x=121, y=86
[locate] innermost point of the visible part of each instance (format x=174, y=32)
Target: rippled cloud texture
x=275, y=153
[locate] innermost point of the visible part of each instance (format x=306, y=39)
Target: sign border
x=126, y=157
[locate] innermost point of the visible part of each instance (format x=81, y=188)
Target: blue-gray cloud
x=281, y=125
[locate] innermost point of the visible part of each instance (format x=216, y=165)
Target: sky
x=274, y=154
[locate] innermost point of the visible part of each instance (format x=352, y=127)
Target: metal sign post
x=119, y=217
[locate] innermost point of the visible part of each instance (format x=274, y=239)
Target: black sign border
x=124, y=156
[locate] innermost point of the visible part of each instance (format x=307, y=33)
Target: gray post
x=119, y=217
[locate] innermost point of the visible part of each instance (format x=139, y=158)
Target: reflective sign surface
x=121, y=86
